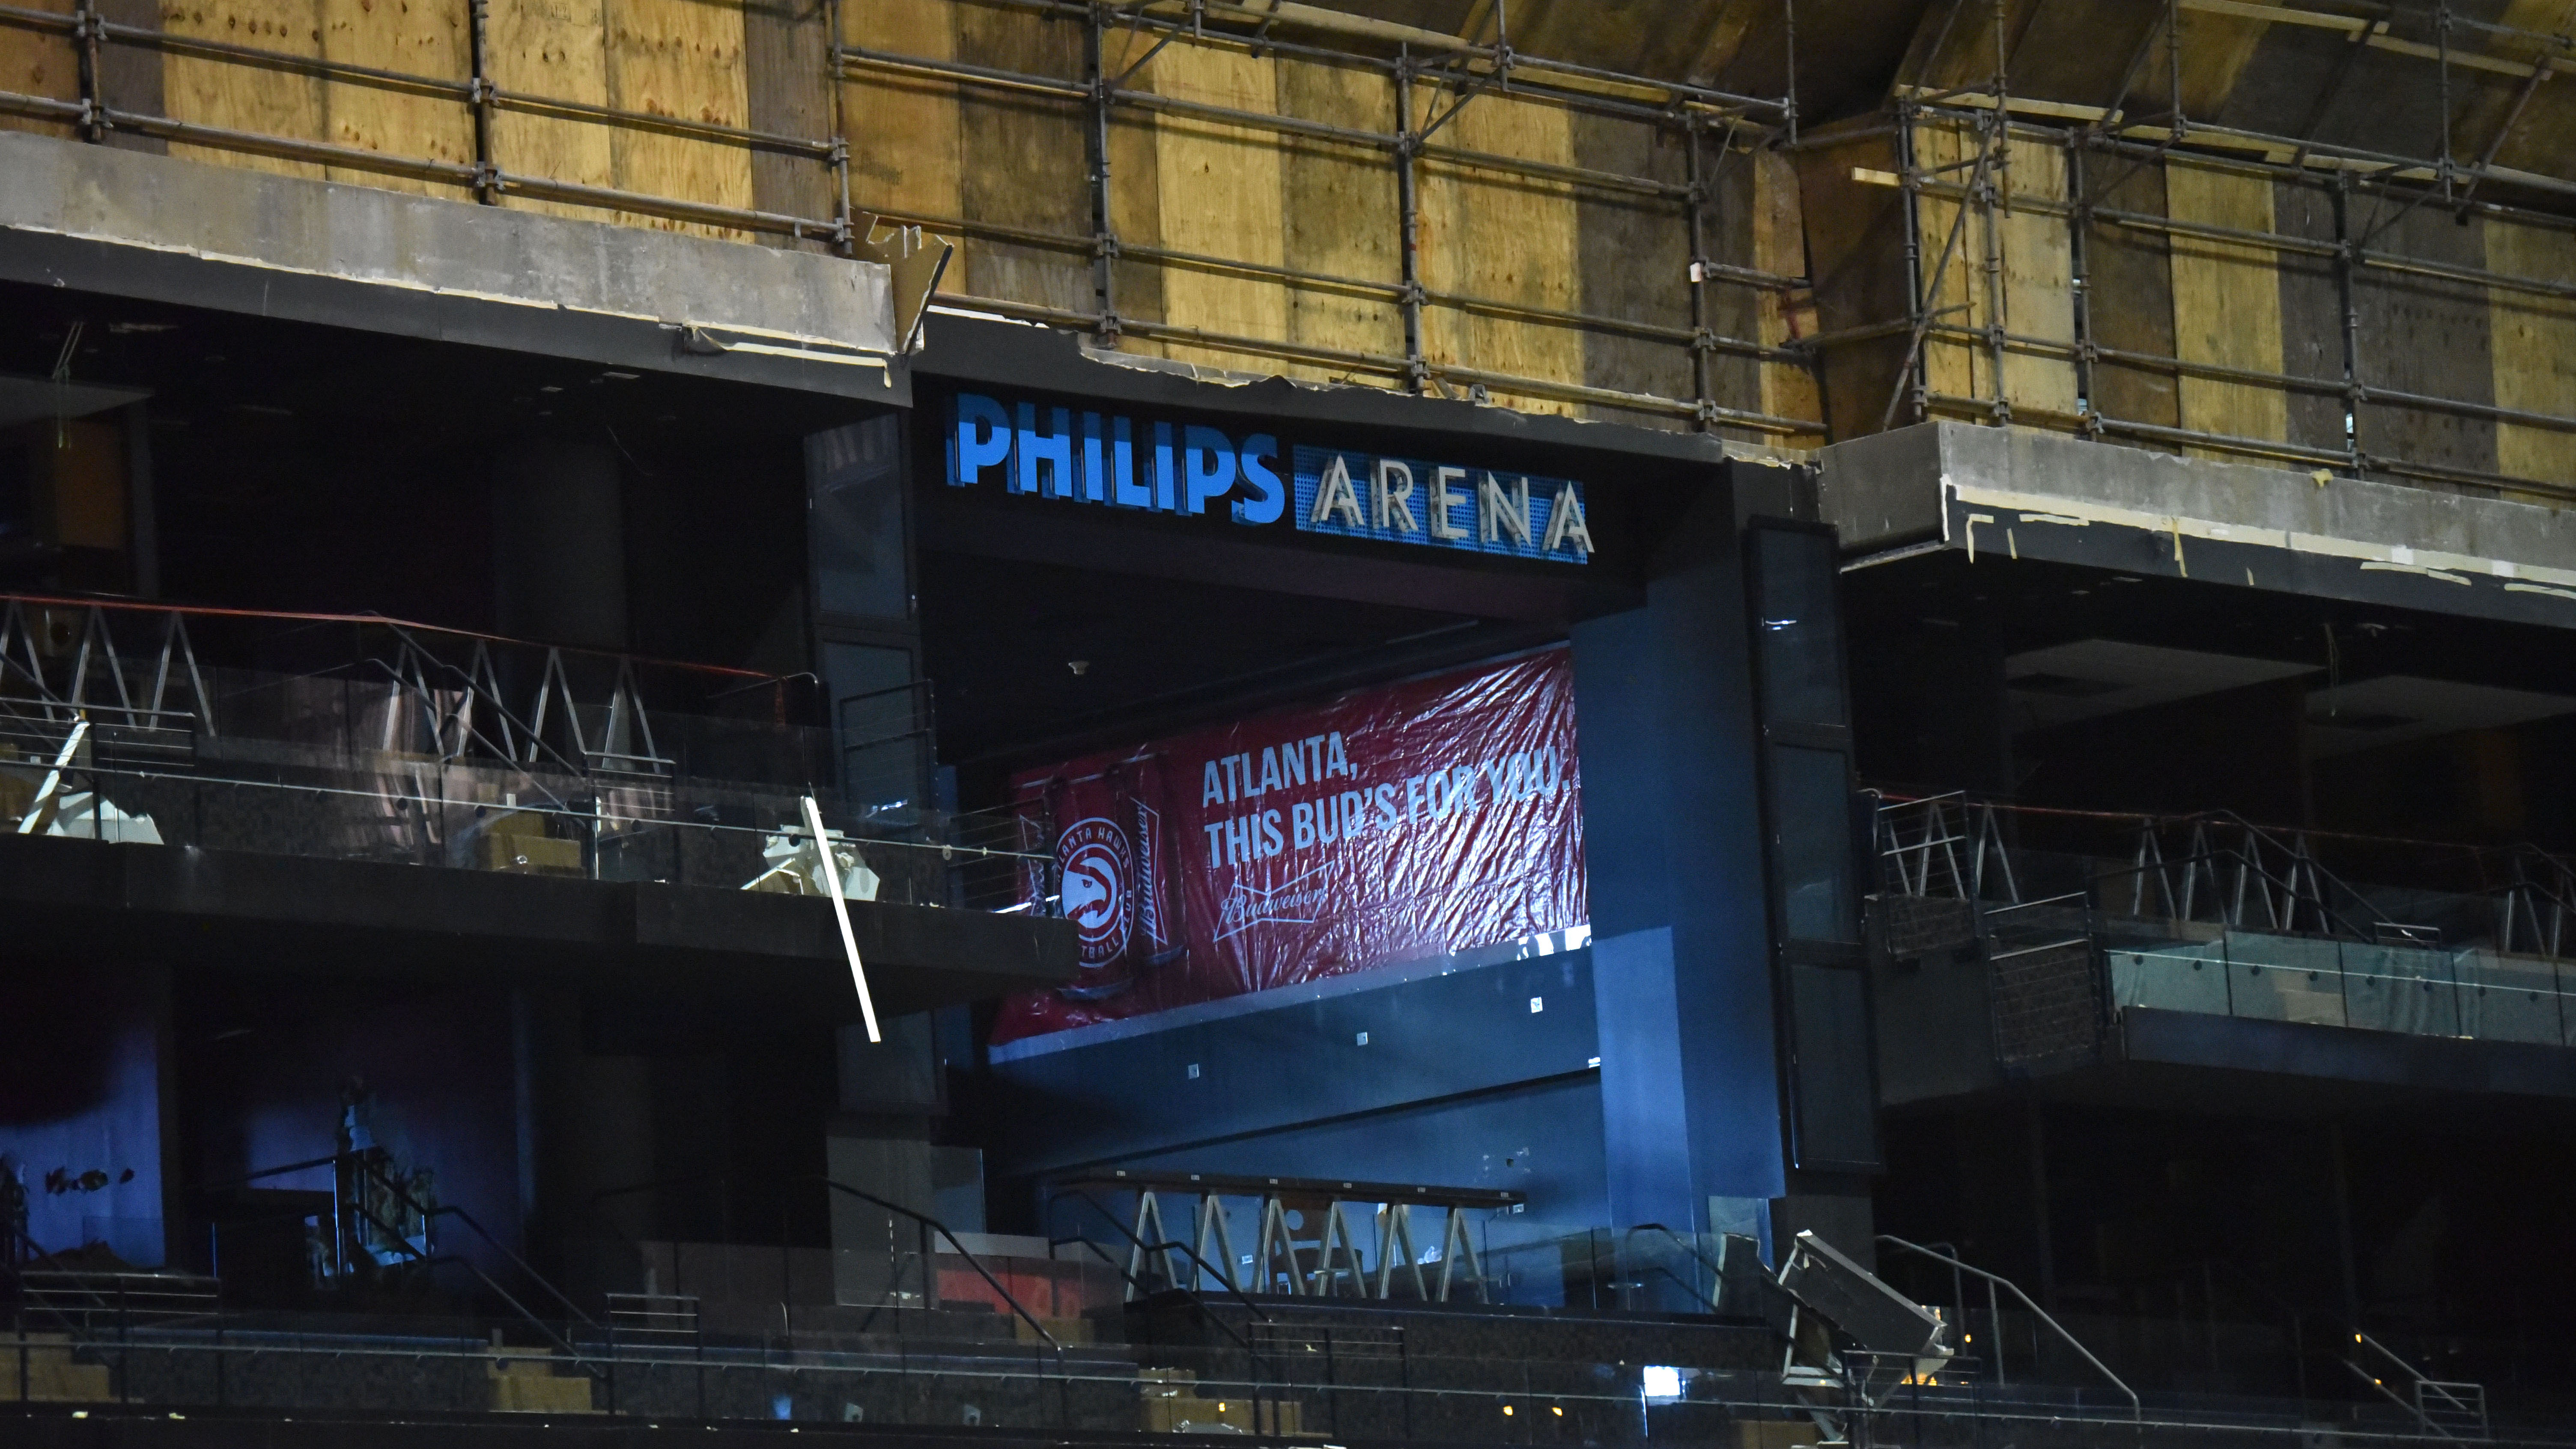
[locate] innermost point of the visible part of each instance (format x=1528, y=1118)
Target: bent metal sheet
x=1436, y=815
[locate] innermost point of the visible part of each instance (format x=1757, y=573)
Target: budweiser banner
x=1437, y=815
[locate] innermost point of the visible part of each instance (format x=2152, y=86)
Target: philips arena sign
x=1113, y=461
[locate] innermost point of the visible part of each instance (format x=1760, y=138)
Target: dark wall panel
x=1211, y=1076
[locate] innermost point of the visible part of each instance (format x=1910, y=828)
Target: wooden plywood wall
x=2534, y=349
x=2427, y=336
x=2227, y=304
x=1780, y=247
x=1497, y=235
x=676, y=58
x=904, y=144
x=35, y=63
x=681, y=58
x=1632, y=263
x=1340, y=213
x=2129, y=281
x=2035, y=290
x=246, y=98
x=1219, y=193
x=1023, y=159
x=411, y=37
x=556, y=49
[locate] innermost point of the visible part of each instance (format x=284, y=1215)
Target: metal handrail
x=934, y=1224
x=2419, y=1381
x=2137, y=1410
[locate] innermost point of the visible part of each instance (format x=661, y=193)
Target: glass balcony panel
x=2182, y=976
x=2400, y=988
x=2511, y=998
x=2285, y=978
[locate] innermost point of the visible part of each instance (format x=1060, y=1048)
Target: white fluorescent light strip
x=841, y=912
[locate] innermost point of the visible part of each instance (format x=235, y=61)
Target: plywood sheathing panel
x=425, y=38
x=2311, y=317
x=2535, y=349
x=1135, y=195
x=1855, y=234
x=1633, y=263
x=905, y=151
x=2038, y=290
x=2129, y=283
x=681, y=58
x=2428, y=336
x=557, y=49
x=38, y=63
x=1780, y=248
x=1951, y=262
x=1219, y=191
x=1023, y=158
x=1341, y=212
x=244, y=97
x=129, y=76
x=2227, y=304
x=1503, y=236
x=2036, y=258
x=410, y=37
x=786, y=54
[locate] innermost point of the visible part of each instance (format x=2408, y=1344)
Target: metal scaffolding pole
x=1408, y=203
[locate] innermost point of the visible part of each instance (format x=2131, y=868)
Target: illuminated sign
x=1406, y=500
x=1087, y=457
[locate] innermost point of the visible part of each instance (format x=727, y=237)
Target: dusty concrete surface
x=139, y=224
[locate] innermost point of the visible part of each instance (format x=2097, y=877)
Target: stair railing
x=1951, y=1261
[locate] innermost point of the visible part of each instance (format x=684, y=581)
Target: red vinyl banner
x=1410, y=821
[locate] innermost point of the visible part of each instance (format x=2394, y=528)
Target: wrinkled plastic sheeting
x=1401, y=823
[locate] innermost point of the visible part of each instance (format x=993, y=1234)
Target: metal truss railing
x=1434, y=78
x=1452, y=72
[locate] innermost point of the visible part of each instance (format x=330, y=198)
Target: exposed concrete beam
x=2003, y=494
x=132, y=224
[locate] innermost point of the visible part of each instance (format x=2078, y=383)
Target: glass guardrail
x=2419, y=990
x=347, y=771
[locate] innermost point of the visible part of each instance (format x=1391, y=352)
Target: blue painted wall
x=80, y=1105
x=1672, y=828
x=1457, y=1074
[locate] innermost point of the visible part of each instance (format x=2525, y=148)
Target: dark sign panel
x=1423, y=818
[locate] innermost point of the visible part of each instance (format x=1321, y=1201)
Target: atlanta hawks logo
x=1096, y=864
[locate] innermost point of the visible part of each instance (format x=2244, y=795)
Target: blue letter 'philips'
x=1209, y=457
x=1268, y=498
x=969, y=455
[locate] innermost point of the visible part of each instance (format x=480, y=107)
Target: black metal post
x=1695, y=216
x=1104, y=231
x=2347, y=263
x=1408, y=201
x=478, y=38
x=87, y=25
